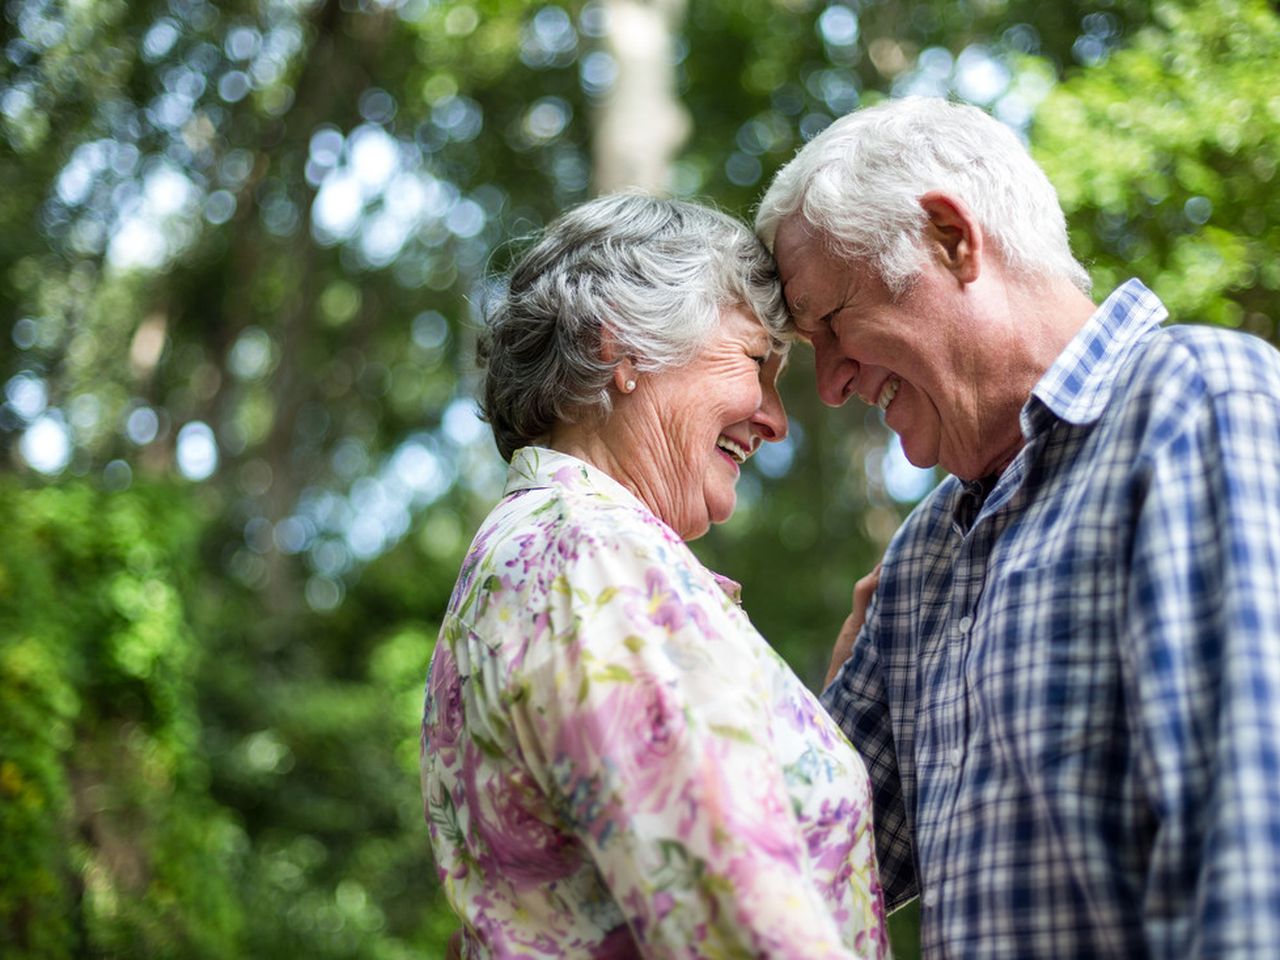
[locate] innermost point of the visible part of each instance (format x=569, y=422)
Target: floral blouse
x=616, y=764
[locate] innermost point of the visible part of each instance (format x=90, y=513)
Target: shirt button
x=965, y=623
x=930, y=897
x=955, y=756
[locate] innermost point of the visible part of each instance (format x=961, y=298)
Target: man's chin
x=925, y=459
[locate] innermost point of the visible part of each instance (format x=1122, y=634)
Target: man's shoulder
x=1224, y=360
x=1204, y=359
x=1184, y=377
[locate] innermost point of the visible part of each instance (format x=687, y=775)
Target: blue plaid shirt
x=1067, y=691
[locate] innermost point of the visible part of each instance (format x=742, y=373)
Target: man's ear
x=953, y=235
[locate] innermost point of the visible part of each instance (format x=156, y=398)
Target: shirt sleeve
x=1202, y=647
x=856, y=700
x=651, y=723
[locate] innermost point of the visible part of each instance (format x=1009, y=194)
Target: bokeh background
x=244, y=248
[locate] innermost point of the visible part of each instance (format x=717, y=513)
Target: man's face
x=902, y=354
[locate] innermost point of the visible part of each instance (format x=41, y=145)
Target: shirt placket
x=941, y=739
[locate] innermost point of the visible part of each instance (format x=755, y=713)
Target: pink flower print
x=658, y=604
x=571, y=543
x=820, y=831
x=755, y=811
x=631, y=736
x=516, y=845
x=570, y=476
x=618, y=944
x=662, y=606
x=764, y=825
x=642, y=914
x=444, y=716
x=471, y=564
x=732, y=589
x=530, y=552
x=484, y=929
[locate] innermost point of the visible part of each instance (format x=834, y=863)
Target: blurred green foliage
x=111, y=843
x=1166, y=161
x=164, y=795
x=244, y=248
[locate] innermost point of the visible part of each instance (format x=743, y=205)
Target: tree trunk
x=641, y=123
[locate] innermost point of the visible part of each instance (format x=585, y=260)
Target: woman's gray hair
x=859, y=183
x=647, y=276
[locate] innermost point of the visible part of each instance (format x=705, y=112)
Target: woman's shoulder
x=584, y=524
x=545, y=540
x=577, y=504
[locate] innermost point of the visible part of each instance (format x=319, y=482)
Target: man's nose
x=833, y=371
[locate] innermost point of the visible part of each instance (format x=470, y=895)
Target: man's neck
x=1043, y=315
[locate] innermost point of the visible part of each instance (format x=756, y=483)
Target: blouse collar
x=537, y=468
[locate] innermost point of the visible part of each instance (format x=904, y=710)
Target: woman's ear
x=624, y=376
x=624, y=369
x=954, y=234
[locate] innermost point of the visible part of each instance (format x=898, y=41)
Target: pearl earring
x=628, y=386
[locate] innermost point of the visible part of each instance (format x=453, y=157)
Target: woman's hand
x=862, y=591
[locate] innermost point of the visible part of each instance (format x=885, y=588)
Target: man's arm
x=1202, y=649
x=863, y=590
x=855, y=698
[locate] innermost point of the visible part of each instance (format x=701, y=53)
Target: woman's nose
x=770, y=420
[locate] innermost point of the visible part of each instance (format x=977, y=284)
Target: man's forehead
x=793, y=235
x=794, y=251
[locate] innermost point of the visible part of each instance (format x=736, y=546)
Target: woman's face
x=691, y=427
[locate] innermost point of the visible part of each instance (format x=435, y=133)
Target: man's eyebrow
x=796, y=304
x=803, y=319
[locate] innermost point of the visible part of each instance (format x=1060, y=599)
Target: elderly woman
x=615, y=763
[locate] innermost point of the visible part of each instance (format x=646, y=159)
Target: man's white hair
x=859, y=182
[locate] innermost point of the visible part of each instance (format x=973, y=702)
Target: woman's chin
x=722, y=514
x=694, y=532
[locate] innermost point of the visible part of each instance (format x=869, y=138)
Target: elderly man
x=1067, y=688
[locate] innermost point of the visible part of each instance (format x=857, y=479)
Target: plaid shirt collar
x=1078, y=387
